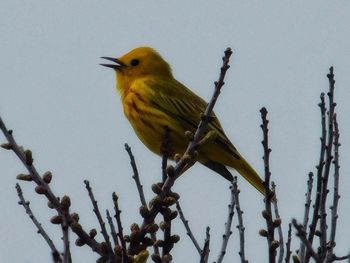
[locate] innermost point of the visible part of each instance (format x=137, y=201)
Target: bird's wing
x=186, y=108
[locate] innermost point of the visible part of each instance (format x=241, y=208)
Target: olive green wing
x=186, y=108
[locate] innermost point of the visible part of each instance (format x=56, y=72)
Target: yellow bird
x=153, y=99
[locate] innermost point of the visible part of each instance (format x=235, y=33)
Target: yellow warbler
x=153, y=99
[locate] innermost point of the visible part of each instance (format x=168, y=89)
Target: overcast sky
x=63, y=105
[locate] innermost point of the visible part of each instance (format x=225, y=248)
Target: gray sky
x=63, y=106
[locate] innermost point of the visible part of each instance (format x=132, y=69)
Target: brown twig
x=319, y=167
x=228, y=224
x=187, y=227
x=306, y=212
x=188, y=158
x=288, y=244
x=277, y=223
x=206, y=249
x=55, y=254
x=136, y=176
x=112, y=227
x=240, y=225
x=267, y=213
x=120, y=227
x=336, y=195
x=43, y=188
x=139, y=186
x=65, y=204
x=329, y=158
x=100, y=219
x=302, y=235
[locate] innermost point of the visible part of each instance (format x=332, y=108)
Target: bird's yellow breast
x=147, y=121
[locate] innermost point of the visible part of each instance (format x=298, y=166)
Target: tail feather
x=243, y=168
x=251, y=176
x=220, y=169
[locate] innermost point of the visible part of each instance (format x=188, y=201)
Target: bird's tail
x=250, y=175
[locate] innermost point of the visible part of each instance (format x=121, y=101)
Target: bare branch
x=267, y=213
x=306, y=212
x=112, y=227
x=206, y=250
x=336, y=195
x=278, y=222
x=240, y=225
x=302, y=235
x=65, y=204
x=55, y=254
x=43, y=188
x=320, y=166
x=228, y=231
x=136, y=176
x=187, y=227
x=329, y=158
x=288, y=244
x=99, y=218
x=139, y=186
x=189, y=157
x=120, y=227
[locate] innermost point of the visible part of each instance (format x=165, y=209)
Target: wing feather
x=186, y=108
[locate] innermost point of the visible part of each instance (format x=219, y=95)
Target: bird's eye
x=134, y=62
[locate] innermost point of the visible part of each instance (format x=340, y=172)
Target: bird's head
x=139, y=63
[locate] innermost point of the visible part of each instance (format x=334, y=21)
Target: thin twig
x=99, y=218
x=65, y=204
x=120, y=227
x=268, y=194
x=319, y=167
x=187, y=227
x=329, y=158
x=136, y=176
x=336, y=258
x=240, y=225
x=288, y=244
x=188, y=157
x=139, y=186
x=302, y=235
x=306, y=213
x=112, y=227
x=336, y=195
x=206, y=249
x=228, y=231
x=279, y=220
x=55, y=254
x=27, y=160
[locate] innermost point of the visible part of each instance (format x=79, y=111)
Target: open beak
x=116, y=66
